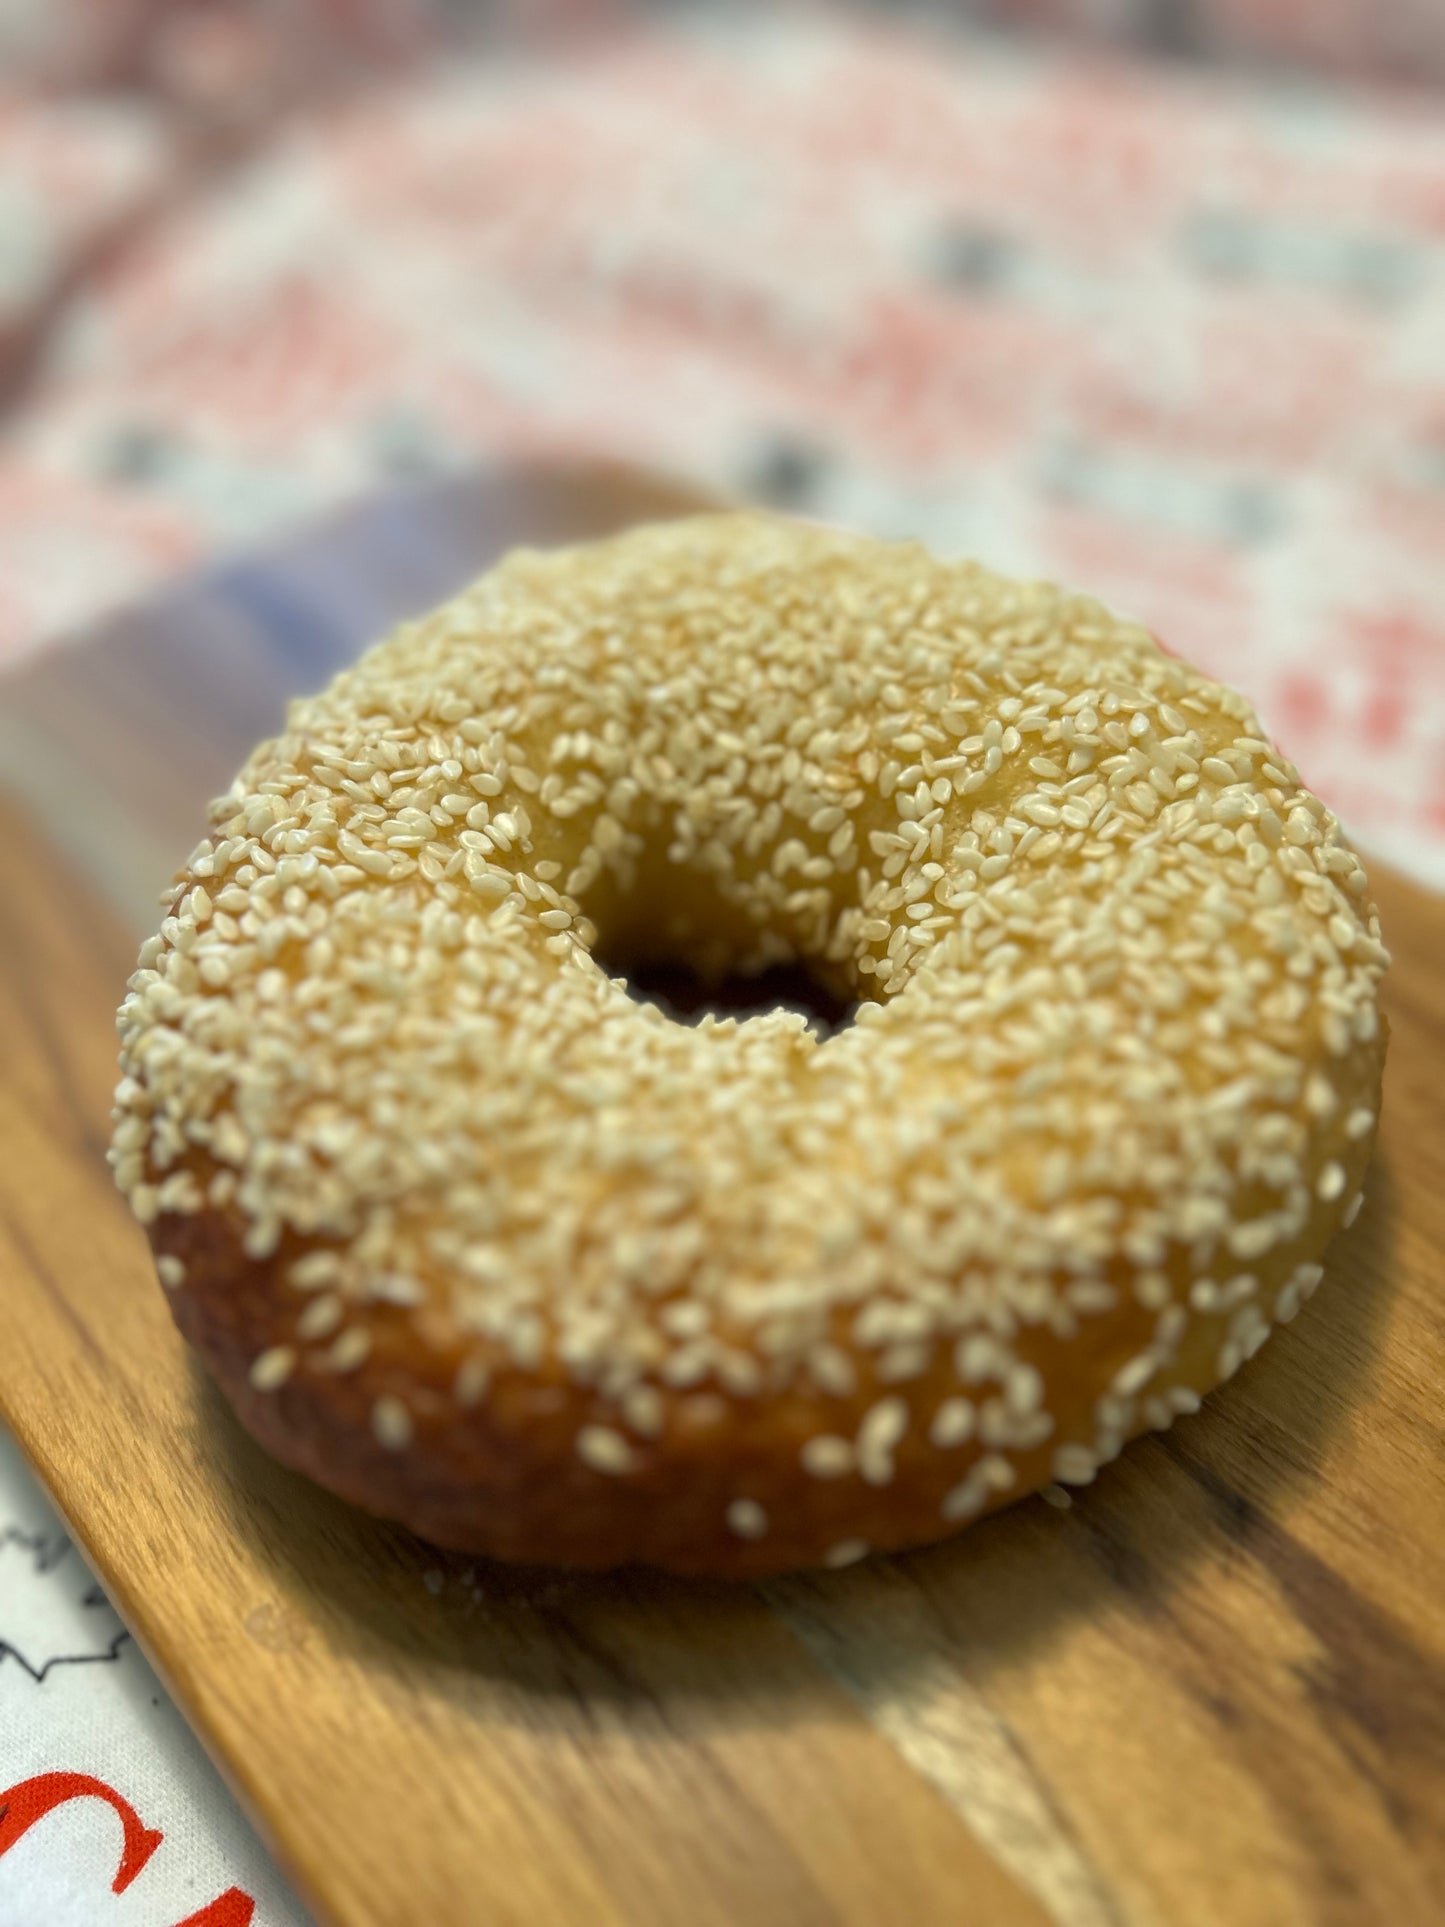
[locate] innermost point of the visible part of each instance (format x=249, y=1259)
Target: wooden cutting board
x=1213, y=1691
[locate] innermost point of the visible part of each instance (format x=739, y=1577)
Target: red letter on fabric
x=21, y=1806
x=231, y=1909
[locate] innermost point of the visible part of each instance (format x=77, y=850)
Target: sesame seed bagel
x=486, y=1245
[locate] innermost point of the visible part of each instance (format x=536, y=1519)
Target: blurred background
x=1146, y=294
x=1149, y=294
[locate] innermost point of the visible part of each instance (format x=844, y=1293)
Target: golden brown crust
x=478, y=1243
x=504, y=1480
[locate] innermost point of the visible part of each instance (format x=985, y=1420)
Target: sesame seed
x=965, y=1499
x=1306, y=1278
x=833, y=1370
x=1331, y=1183
x=1320, y=1098
x=747, y=1519
x=471, y=1383
x=315, y=1271
x=350, y=1351
x=847, y=1552
x=604, y=1449
x=272, y=1368
x=1152, y=1290
x=171, y=1271
x=952, y=1424
x=1024, y=1390
x=1252, y=1239
x=1134, y=1376
x=882, y=1428
x=391, y=1423
x=1074, y=1465
x=320, y=1318
x=644, y=1410
x=826, y=1457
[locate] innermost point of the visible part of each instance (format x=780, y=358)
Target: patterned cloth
x=1161, y=330
x=85, y=1725
x=1167, y=334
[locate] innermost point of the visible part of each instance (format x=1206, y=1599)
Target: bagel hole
x=677, y=939
x=686, y=996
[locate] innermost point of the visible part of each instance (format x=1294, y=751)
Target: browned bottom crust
x=505, y=1480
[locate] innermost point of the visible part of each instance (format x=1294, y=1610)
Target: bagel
x=487, y=1245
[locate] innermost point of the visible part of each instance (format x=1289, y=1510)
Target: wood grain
x=1212, y=1691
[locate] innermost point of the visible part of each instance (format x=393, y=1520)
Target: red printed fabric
x=1360, y=38
x=1403, y=38
x=110, y=1814
x=1157, y=331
